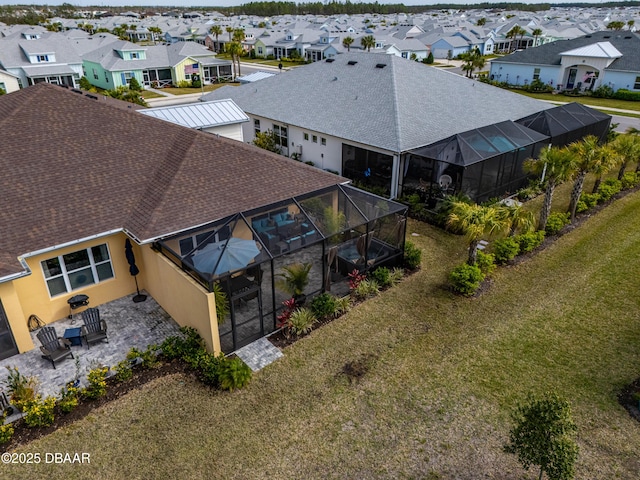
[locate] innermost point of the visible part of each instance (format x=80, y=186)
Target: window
x=306, y=137
x=259, y=50
x=315, y=139
x=134, y=55
x=405, y=54
x=3, y=86
x=106, y=77
x=636, y=85
x=281, y=136
x=72, y=271
x=95, y=74
x=323, y=141
x=43, y=58
x=127, y=77
x=536, y=73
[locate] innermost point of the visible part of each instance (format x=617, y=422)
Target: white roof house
x=220, y=117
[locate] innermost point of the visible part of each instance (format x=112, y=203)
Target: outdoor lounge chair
x=93, y=329
x=53, y=348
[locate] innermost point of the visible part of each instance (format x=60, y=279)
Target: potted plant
x=294, y=279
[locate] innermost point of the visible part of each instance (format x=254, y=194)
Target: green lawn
x=185, y=91
x=444, y=373
x=596, y=102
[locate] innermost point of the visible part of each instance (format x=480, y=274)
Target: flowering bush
x=355, y=278
x=38, y=412
x=6, y=432
x=97, y=383
x=285, y=317
x=68, y=398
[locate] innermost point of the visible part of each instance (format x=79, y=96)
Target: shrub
x=529, y=241
x=396, y=275
x=134, y=85
x=324, y=305
x=505, y=249
x=123, y=371
x=603, y=91
x=6, y=432
x=412, y=256
x=149, y=356
x=68, y=398
x=39, y=413
x=366, y=289
x=85, y=84
x=465, y=279
x=21, y=389
x=301, y=321
x=382, y=275
x=233, y=373
x=209, y=369
x=343, y=305
x=630, y=180
x=179, y=347
x=587, y=201
x=608, y=189
x=624, y=94
x=486, y=262
x=184, y=84
x=556, y=222
x=97, y=383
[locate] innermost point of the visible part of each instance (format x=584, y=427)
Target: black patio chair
x=94, y=329
x=53, y=348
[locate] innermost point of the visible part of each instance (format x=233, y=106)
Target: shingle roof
x=73, y=167
x=401, y=106
x=627, y=43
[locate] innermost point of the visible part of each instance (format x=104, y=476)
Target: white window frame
x=64, y=274
x=42, y=58
x=536, y=73
x=636, y=84
x=256, y=125
x=323, y=141
x=306, y=137
x=282, y=135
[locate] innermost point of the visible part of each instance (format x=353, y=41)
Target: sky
x=224, y=3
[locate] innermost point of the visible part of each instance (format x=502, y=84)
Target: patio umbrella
x=227, y=256
x=133, y=269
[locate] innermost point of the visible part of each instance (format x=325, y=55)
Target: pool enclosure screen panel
x=481, y=163
x=368, y=168
x=568, y=123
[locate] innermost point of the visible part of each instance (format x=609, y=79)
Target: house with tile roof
x=369, y=112
x=603, y=58
x=203, y=212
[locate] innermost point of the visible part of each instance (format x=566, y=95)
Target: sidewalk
x=170, y=99
x=595, y=107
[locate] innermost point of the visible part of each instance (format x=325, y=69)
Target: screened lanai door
x=244, y=324
x=7, y=344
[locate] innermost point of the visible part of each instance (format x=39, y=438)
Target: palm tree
x=585, y=156
x=235, y=50
x=519, y=219
x=229, y=30
x=627, y=147
x=556, y=164
x=605, y=160
x=346, y=42
x=367, y=42
x=477, y=221
x=217, y=31
x=155, y=33
x=536, y=32
x=513, y=34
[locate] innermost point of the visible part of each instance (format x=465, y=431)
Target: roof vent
x=92, y=97
x=381, y=65
x=351, y=62
x=329, y=60
x=75, y=90
x=627, y=38
x=607, y=36
x=587, y=36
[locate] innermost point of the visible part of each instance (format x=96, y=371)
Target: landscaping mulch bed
x=23, y=434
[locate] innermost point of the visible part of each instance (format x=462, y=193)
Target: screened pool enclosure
x=336, y=230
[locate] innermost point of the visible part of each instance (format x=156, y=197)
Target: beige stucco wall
x=182, y=297
x=34, y=295
x=16, y=316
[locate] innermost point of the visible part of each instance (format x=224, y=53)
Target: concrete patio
x=129, y=325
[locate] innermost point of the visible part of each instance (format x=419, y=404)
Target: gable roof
x=401, y=106
x=626, y=43
x=99, y=168
x=597, y=50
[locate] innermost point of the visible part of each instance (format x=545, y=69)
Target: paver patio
x=129, y=325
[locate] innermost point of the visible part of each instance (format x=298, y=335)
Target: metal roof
x=597, y=50
x=254, y=77
x=200, y=115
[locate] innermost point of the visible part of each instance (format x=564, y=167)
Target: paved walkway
x=129, y=325
x=259, y=354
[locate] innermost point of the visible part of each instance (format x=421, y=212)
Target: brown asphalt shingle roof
x=72, y=167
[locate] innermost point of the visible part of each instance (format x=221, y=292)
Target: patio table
x=74, y=336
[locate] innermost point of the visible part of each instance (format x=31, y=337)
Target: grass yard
x=207, y=88
x=603, y=103
x=444, y=374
